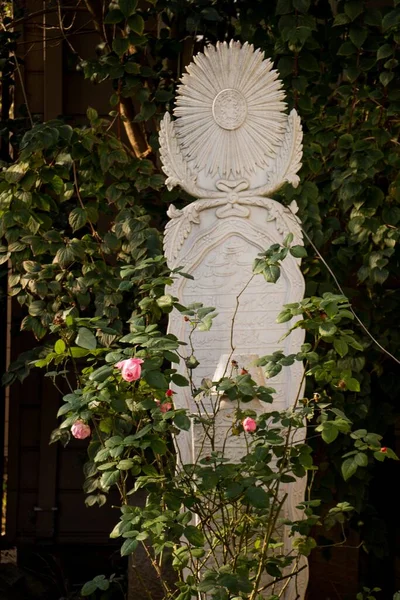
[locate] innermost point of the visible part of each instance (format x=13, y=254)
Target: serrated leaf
x=77, y=218
x=349, y=467
x=109, y=478
x=361, y=459
x=120, y=45
x=64, y=256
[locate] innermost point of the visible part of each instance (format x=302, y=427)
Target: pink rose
x=130, y=368
x=165, y=407
x=249, y=425
x=80, y=430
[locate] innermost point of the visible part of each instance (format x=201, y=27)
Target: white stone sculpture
x=231, y=146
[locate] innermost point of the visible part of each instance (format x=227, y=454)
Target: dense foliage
x=80, y=207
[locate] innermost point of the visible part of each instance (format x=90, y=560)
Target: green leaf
x=155, y=379
x=89, y=588
x=341, y=19
x=64, y=256
x=59, y=347
x=127, y=7
x=301, y=5
x=120, y=45
x=165, y=302
x=194, y=535
x=353, y=384
x=349, y=467
x=78, y=352
x=101, y=373
x=85, y=339
x=341, y=347
x=308, y=62
x=329, y=432
x=113, y=17
x=298, y=251
x=271, y=273
x=125, y=464
x=136, y=24
x=129, y=546
x=391, y=19
x=358, y=35
x=182, y=421
x=361, y=459
x=384, y=51
x=354, y=8
x=257, y=497
x=180, y=380
x=109, y=478
x=284, y=7
x=386, y=77
x=327, y=329
x=346, y=49
x=77, y=218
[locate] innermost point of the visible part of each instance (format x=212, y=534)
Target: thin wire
x=342, y=292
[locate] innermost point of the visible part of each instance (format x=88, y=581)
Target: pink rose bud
x=384, y=449
x=169, y=393
x=130, y=368
x=249, y=425
x=165, y=407
x=80, y=430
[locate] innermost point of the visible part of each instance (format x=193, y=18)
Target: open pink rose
x=80, y=430
x=130, y=368
x=249, y=425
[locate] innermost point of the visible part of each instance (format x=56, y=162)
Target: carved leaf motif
x=174, y=165
x=178, y=229
x=288, y=160
x=293, y=148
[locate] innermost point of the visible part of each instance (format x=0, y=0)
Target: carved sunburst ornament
x=230, y=110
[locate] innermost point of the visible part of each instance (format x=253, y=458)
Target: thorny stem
x=157, y=569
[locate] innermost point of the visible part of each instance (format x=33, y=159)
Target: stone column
x=231, y=146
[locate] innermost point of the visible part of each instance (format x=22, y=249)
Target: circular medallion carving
x=229, y=109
